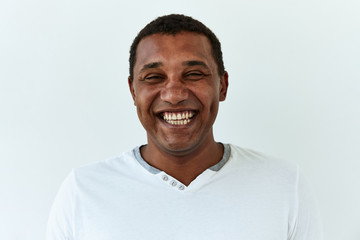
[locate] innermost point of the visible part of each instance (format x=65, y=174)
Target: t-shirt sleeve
x=60, y=222
x=307, y=223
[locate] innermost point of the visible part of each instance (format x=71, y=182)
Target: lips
x=178, y=117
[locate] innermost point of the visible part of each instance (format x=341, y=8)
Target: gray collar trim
x=143, y=163
x=225, y=158
x=153, y=170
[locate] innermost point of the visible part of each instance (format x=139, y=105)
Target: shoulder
x=118, y=165
x=283, y=181
x=245, y=156
x=264, y=168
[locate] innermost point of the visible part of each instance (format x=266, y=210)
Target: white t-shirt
x=246, y=196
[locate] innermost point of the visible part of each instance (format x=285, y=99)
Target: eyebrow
x=151, y=65
x=195, y=63
x=187, y=63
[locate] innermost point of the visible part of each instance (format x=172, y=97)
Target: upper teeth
x=178, y=117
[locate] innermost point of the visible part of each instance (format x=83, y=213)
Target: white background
x=64, y=101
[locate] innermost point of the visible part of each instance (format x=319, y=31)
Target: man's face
x=177, y=89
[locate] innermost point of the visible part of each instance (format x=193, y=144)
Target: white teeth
x=179, y=118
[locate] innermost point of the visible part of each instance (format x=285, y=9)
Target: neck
x=185, y=166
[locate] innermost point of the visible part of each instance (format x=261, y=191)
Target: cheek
x=143, y=101
x=209, y=96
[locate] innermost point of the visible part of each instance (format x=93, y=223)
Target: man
x=182, y=184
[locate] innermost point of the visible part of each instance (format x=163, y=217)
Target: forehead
x=170, y=48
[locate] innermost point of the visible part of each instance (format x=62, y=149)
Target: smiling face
x=176, y=89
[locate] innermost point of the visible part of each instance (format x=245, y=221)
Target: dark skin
x=176, y=74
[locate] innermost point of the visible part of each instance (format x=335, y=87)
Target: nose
x=175, y=91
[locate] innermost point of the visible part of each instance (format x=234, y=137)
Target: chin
x=177, y=148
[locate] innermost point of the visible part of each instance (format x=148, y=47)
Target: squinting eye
x=153, y=78
x=194, y=76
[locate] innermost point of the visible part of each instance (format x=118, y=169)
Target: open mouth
x=178, y=118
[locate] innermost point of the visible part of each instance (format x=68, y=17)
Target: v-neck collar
x=154, y=170
x=173, y=183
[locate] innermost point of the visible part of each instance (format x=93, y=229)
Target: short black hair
x=173, y=24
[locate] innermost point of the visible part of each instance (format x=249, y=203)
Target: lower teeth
x=179, y=122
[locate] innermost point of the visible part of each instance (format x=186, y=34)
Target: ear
x=132, y=90
x=224, y=83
